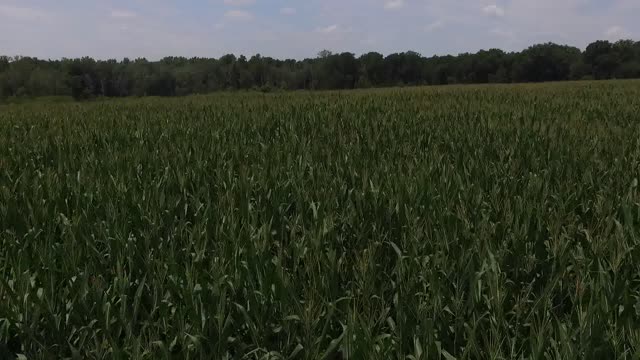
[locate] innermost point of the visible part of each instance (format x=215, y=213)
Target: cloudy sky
x=300, y=28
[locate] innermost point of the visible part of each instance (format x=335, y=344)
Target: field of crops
x=496, y=222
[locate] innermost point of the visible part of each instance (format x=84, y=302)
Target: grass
x=41, y=100
x=426, y=223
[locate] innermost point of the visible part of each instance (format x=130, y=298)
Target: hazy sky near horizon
x=300, y=28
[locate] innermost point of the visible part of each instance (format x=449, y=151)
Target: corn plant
x=476, y=222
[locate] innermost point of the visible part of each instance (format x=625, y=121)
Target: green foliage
x=497, y=222
x=87, y=78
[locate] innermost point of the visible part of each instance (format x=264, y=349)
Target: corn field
x=462, y=222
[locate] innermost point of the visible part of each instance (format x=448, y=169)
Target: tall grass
x=441, y=223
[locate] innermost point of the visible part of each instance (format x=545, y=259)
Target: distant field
x=469, y=222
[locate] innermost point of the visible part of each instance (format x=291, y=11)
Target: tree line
x=86, y=78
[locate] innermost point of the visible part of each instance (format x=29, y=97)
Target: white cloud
x=288, y=11
x=122, y=14
x=394, y=4
x=615, y=32
x=238, y=15
x=239, y=2
x=328, y=29
x=21, y=13
x=438, y=24
x=493, y=10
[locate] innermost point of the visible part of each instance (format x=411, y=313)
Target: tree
x=580, y=71
x=602, y=58
x=4, y=87
x=545, y=62
x=595, y=50
x=371, y=70
x=244, y=76
x=4, y=63
x=161, y=83
x=485, y=66
x=86, y=78
x=627, y=59
x=257, y=70
x=410, y=71
x=82, y=78
x=628, y=70
x=323, y=54
x=624, y=50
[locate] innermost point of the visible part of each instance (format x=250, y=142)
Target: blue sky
x=301, y=28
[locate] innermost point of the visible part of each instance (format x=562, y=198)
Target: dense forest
x=87, y=78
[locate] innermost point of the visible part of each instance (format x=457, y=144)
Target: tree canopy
x=87, y=78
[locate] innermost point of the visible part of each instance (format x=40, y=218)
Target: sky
x=299, y=29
